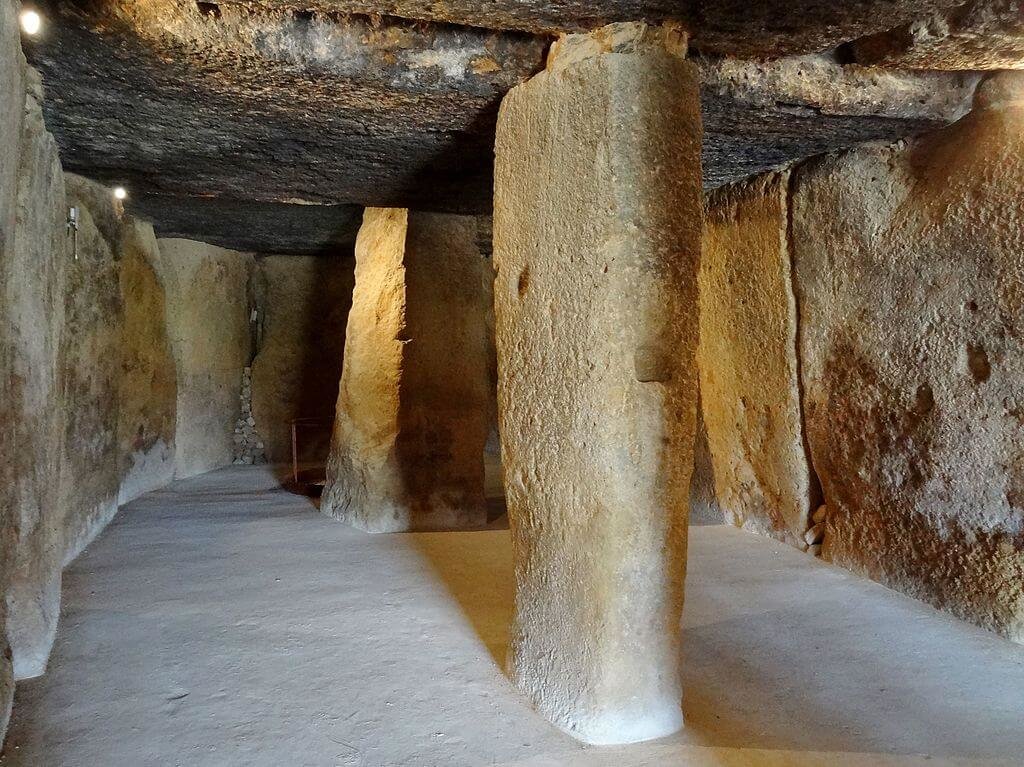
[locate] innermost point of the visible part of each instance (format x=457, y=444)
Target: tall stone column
x=597, y=241
x=411, y=421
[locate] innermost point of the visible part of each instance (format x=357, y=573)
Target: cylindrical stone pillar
x=597, y=240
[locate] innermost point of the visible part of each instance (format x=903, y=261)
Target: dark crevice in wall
x=256, y=302
x=816, y=494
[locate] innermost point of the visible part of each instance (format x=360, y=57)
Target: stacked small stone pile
x=249, y=446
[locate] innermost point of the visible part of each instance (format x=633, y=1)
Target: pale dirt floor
x=225, y=622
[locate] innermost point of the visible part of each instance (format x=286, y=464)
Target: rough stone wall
x=446, y=392
x=249, y=446
x=411, y=423
x=907, y=273
x=748, y=361
x=597, y=221
x=910, y=275
x=494, y=481
x=90, y=369
x=73, y=359
x=148, y=386
x=12, y=95
x=33, y=279
x=208, y=325
x=704, y=507
x=89, y=387
x=303, y=305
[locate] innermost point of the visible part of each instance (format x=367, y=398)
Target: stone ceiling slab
x=246, y=225
x=183, y=103
x=732, y=27
x=278, y=107
x=986, y=34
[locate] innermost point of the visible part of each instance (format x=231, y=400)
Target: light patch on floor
x=225, y=622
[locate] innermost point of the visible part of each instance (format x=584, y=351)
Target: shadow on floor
x=476, y=569
x=782, y=652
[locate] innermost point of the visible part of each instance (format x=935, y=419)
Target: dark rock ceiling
x=250, y=225
x=266, y=129
x=729, y=27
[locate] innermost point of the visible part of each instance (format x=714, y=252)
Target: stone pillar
x=597, y=240
x=411, y=421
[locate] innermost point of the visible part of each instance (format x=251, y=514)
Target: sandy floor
x=225, y=622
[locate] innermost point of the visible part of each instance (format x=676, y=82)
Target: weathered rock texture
x=303, y=306
x=148, y=387
x=704, y=508
x=773, y=27
x=34, y=260
x=249, y=446
x=597, y=223
x=737, y=27
x=748, y=360
x=12, y=95
x=90, y=381
x=909, y=272
x=277, y=108
x=91, y=369
x=208, y=323
x=760, y=115
x=411, y=423
x=985, y=34
x=88, y=387
x=295, y=228
x=227, y=121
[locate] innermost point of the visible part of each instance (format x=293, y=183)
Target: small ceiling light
x=120, y=192
x=31, y=22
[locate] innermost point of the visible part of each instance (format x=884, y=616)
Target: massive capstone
x=259, y=128
x=983, y=34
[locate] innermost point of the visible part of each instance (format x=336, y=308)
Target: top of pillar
x=1000, y=90
x=624, y=37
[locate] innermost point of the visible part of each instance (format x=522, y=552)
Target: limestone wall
x=149, y=386
x=89, y=386
x=208, y=313
x=90, y=368
x=908, y=274
x=63, y=338
x=33, y=269
x=12, y=95
x=704, y=506
x=446, y=391
x=748, y=365
x=304, y=303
